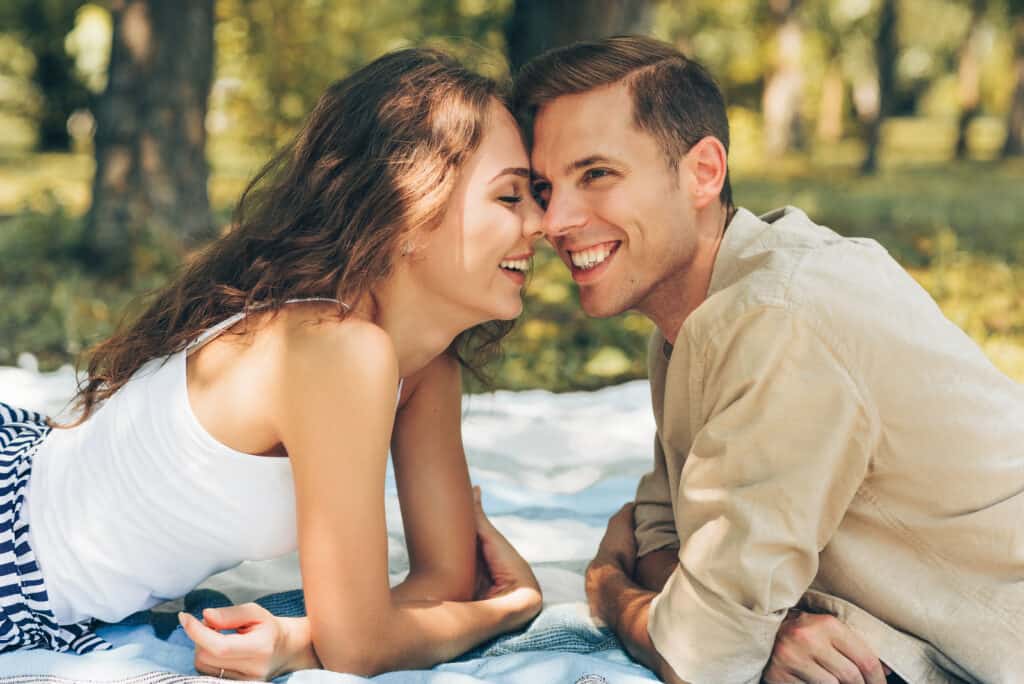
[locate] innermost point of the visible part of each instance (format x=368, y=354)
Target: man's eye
x=594, y=174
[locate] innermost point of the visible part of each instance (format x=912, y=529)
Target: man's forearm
x=625, y=606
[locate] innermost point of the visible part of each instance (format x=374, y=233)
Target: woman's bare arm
x=337, y=412
x=433, y=486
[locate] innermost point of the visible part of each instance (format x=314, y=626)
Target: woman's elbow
x=357, y=658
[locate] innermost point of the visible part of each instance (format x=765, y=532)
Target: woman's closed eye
x=510, y=199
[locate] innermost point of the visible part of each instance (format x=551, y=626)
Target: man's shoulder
x=784, y=260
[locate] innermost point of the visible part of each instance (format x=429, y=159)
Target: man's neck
x=679, y=295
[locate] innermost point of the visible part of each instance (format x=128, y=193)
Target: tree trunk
x=539, y=25
x=885, y=63
x=830, y=111
x=151, y=169
x=968, y=75
x=783, y=89
x=46, y=26
x=1014, y=146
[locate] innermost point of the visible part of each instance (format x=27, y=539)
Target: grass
x=956, y=227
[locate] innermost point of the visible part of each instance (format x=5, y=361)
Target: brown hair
x=675, y=99
x=376, y=160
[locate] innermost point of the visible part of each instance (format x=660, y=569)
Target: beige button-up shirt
x=827, y=438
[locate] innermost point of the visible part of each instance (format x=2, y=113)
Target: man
x=826, y=438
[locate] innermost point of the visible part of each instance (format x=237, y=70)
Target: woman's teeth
x=589, y=258
x=516, y=264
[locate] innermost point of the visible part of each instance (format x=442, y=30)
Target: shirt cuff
x=707, y=639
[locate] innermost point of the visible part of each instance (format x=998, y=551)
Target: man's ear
x=706, y=163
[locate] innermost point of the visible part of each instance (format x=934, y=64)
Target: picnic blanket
x=553, y=468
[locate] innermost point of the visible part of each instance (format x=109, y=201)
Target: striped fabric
x=25, y=617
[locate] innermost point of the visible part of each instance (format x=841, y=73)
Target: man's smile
x=588, y=263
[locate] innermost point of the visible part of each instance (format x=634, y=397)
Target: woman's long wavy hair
x=376, y=160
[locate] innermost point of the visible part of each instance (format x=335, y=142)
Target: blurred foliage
x=956, y=227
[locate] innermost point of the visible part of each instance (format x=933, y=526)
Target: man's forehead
x=574, y=127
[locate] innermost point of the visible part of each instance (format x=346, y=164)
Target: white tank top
x=139, y=504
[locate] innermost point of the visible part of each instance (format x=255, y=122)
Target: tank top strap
x=215, y=330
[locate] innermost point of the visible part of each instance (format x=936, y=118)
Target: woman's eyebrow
x=514, y=171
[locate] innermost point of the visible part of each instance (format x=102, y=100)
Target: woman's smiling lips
x=515, y=267
x=589, y=263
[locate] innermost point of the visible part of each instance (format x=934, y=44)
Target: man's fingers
x=625, y=511
x=807, y=672
x=856, y=650
x=841, y=667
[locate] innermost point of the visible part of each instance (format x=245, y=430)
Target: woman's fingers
x=236, y=617
x=219, y=647
x=202, y=636
x=246, y=655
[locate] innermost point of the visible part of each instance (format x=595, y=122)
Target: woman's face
x=477, y=259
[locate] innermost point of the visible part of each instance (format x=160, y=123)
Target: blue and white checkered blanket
x=561, y=646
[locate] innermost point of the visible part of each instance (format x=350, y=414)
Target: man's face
x=618, y=215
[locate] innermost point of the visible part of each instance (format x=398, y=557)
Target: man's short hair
x=675, y=99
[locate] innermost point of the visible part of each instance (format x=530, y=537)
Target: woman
x=250, y=408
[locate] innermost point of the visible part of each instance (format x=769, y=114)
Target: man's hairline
x=632, y=117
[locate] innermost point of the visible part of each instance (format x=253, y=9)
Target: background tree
x=150, y=144
x=1014, y=146
x=783, y=88
x=969, y=77
x=886, y=50
x=42, y=26
x=539, y=25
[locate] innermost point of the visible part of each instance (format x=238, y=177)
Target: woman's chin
x=510, y=311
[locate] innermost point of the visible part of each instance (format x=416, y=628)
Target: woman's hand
x=819, y=648
x=263, y=647
x=503, y=573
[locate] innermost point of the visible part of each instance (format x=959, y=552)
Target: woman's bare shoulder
x=353, y=349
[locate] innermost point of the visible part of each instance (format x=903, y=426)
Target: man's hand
x=819, y=648
x=653, y=569
x=616, y=554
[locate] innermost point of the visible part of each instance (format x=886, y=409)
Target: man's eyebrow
x=514, y=171
x=585, y=162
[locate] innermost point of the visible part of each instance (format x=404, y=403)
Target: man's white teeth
x=589, y=258
x=516, y=264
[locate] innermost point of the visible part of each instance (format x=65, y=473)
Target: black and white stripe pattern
x=26, y=620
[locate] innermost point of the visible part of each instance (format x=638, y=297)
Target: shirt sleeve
x=652, y=516
x=784, y=447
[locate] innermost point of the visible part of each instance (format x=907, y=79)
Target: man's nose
x=564, y=214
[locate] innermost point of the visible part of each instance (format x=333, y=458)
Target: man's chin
x=600, y=307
